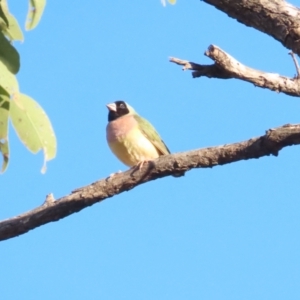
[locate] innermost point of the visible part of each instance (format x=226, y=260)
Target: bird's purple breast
x=117, y=129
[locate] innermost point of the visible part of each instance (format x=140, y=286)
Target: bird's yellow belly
x=133, y=149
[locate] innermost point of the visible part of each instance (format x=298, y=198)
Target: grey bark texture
x=276, y=18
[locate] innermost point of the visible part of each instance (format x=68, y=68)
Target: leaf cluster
x=29, y=120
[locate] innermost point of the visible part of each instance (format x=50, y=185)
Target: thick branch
x=276, y=18
x=269, y=144
x=226, y=67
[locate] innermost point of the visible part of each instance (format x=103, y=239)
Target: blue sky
x=230, y=232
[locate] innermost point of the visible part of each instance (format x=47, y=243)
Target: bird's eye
x=122, y=105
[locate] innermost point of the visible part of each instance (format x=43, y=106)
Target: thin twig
x=291, y=53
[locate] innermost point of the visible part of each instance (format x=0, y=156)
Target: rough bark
x=53, y=210
x=276, y=18
x=226, y=67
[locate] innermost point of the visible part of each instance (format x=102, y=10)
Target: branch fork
x=226, y=67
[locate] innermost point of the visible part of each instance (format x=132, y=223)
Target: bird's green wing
x=152, y=135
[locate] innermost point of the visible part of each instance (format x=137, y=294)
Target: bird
x=131, y=138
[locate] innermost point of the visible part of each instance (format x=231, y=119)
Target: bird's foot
x=141, y=163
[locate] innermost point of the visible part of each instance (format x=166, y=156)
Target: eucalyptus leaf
x=4, y=149
x=8, y=81
x=2, y=15
x=3, y=92
x=4, y=112
x=35, y=11
x=33, y=127
x=12, y=30
x=9, y=55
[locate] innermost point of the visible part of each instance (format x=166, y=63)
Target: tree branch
x=226, y=67
x=276, y=18
x=53, y=210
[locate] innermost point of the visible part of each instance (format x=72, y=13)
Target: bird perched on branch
x=132, y=138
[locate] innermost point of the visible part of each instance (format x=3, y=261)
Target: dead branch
x=226, y=67
x=53, y=210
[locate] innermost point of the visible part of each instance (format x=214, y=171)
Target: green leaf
x=9, y=55
x=3, y=16
x=4, y=149
x=12, y=30
x=4, y=111
x=33, y=127
x=35, y=11
x=3, y=92
x=8, y=81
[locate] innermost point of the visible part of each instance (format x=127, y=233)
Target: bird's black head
x=117, y=110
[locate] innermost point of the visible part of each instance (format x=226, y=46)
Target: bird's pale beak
x=112, y=106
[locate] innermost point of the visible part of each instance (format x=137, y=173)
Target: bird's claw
x=140, y=164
